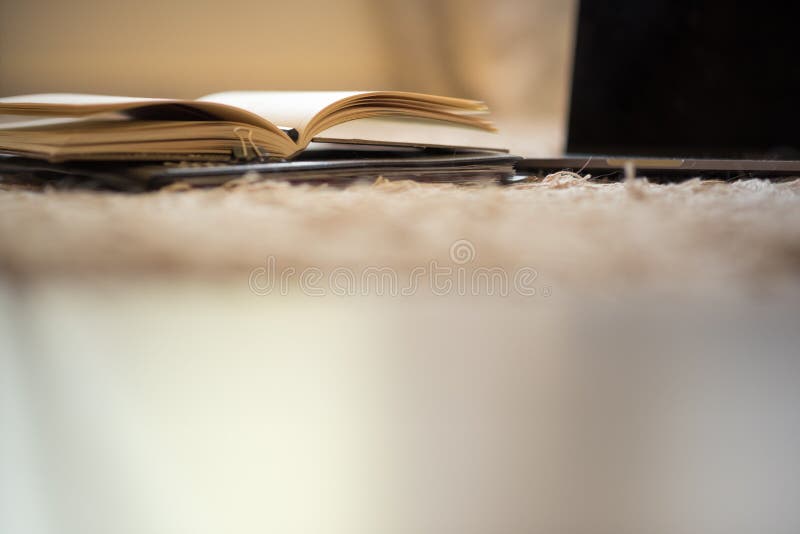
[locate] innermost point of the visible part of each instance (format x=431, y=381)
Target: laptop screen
x=686, y=78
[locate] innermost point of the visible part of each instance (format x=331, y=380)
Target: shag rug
x=577, y=234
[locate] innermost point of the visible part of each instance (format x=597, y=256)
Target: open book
x=230, y=125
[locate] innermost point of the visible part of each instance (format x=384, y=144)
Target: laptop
x=683, y=88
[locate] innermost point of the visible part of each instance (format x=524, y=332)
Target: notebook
x=239, y=125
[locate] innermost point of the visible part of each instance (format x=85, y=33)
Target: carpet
x=575, y=233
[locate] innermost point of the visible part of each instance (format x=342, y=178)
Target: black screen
x=680, y=78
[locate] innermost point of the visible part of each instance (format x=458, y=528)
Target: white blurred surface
x=159, y=406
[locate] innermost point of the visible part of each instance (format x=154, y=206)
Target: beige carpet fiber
x=655, y=389
x=577, y=234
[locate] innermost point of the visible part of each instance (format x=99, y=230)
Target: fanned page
x=174, y=129
x=117, y=137
x=286, y=109
x=79, y=105
x=410, y=132
x=313, y=112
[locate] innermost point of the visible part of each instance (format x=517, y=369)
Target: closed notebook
x=234, y=125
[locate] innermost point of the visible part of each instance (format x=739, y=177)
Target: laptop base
x=662, y=169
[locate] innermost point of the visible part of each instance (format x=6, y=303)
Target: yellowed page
x=310, y=112
x=73, y=99
x=287, y=109
x=81, y=138
x=413, y=132
x=79, y=105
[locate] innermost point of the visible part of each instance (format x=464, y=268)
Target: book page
x=404, y=131
x=286, y=109
x=81, y=105
x=309, y=112
x=73, y=99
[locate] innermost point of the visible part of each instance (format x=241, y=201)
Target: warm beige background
x=512, y=53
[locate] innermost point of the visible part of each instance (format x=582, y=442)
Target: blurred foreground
x=156, y=376
x=196, y=407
